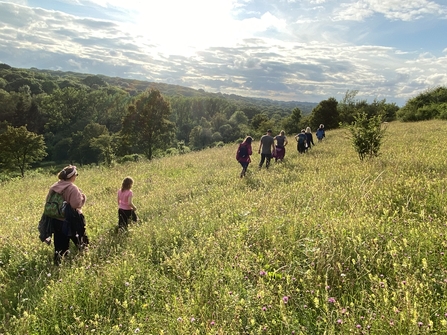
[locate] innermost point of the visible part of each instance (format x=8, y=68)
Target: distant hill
x=134, y=87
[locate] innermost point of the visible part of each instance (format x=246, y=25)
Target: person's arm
x=285, y=141
x=260, y=144
x=129, y=201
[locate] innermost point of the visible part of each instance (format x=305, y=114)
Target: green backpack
x=55, y=206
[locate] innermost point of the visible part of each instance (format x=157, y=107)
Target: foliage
x=367, y=133
x=325, y=113
x=292, y=123
x=425, y=106
x=20, y=148
x=147, y=124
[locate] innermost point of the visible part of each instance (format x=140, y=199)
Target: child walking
x=126, y=208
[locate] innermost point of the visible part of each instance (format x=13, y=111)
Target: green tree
x=147, y=125
x=200, y=137
x=20, y=148
x=326, y=113
x=258, y=122
x=367, y=134
x=105, y=144
x=424, y=106
x=291, y=124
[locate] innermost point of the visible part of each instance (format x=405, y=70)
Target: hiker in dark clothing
x=301, y=140
x=309, y=138
x=266, y=147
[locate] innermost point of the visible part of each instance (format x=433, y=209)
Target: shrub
x=367, y=134
x=130, y=158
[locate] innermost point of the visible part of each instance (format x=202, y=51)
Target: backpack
x=242, y=151
x=55, y=206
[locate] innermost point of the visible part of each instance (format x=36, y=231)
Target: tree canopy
x=20, y=148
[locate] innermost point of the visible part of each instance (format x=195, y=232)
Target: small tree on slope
x=367, y=134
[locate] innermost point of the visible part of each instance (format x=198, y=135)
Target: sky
x=289, y=50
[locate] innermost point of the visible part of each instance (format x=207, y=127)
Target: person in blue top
x=320, y=133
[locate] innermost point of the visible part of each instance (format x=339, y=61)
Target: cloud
x=301, y=52
x=359, y=10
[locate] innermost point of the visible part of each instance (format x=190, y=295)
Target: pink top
x=124, y=199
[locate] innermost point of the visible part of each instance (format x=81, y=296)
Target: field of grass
x=320, y=244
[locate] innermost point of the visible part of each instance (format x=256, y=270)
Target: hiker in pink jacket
x=76, y=199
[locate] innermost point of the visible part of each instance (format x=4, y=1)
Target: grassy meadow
x=319, y=244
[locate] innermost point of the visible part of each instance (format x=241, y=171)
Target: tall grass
x=319, y=244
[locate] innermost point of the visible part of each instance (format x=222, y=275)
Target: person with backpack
x=301, y=140
x=62, y=227
x=243, y=154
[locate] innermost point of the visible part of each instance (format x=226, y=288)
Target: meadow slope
x=320, y=244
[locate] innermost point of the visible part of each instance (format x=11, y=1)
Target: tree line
x=84, y=119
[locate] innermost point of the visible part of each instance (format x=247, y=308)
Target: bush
x=367, y=134
x=130, y=158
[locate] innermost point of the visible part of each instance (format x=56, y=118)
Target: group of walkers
x=72, y=226
x=275, y=147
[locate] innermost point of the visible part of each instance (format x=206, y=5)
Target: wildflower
x=391, y=323
x=262, y=273
x=137, y=330
x=212, y=323
x=285, y=299
x=358, y=326
x=179, y=319
x=420, y=324
x=327, y=287
x=264, y=308
x=331, y=300
x=48, y=275
x=339, y=321
x=126, y=283
x=193, y=319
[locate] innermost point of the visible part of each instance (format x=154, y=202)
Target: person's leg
x=123, y=218
x=261, y=163
x=268, y=158
x=61, y=242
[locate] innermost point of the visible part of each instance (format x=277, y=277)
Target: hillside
x=321, y=244
x=34, y=77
